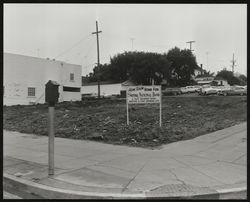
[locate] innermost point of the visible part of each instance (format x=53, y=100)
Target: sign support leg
x=127, y=110
x=160, y=108
x=51, y=140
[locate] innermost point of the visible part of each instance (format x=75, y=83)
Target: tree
x=140, y=67
x=104, y=72
x=243, y=79
x=183, y=64
x=229, y=76
x=177, y=67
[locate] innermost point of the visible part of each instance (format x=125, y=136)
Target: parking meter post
x=51, y=137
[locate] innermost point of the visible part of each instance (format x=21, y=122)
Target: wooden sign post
x=144, y=95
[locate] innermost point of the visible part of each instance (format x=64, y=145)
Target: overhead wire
x=73, y=46
x=78, y=53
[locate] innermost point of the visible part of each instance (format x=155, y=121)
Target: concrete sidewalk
x=209, y=166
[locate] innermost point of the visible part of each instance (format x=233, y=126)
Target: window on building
x=71, y=89
x=71, y=77
x=31, y=92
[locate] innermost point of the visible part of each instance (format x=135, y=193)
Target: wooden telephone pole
x=190, y=42
x=98, y=59
x=233, y=63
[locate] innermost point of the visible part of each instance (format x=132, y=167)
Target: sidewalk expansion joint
x=107, y=166
x=179, y=180
x=137, y=173
x=14, y=164
x=238, y=158
x=199, y=171
x=219, y=160
x=222, y=138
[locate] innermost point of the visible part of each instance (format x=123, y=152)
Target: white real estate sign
x=143, y=95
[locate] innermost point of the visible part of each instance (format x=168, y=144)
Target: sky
x=64, y=32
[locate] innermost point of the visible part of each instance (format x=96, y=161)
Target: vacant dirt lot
x=105, y=120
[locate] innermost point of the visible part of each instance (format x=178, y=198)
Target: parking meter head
x=51, y=92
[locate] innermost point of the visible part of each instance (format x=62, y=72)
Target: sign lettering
x=143, y=94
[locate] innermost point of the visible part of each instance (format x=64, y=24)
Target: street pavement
x=7, y=195
x=206, y=164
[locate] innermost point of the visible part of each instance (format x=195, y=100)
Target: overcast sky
x=63, y=31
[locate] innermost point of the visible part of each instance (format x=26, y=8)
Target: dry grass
x=105, y=120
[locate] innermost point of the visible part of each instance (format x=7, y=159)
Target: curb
x=31, y=190
x=235, y=193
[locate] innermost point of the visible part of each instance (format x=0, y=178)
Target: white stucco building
x=25, y=78
x=106, y=88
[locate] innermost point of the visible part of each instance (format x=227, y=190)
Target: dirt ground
x=105, y=120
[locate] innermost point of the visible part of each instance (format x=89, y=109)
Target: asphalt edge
x=32, y=190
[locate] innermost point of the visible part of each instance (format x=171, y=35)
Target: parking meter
x=51, y=97
x=51, y=92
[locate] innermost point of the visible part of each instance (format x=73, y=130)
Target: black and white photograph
x=124, y=101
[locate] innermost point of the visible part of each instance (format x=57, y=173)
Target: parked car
x=189, y=89
x=209, y=90
x=171, y=91
x=223, y=89
x=197, y=88
x=201, y=91
x=234, y=90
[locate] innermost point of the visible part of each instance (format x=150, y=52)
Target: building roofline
x=101, y=83
x=44, y=59
x=219, y=78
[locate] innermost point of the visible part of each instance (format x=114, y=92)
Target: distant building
x=107, y=88
x=25, y=78
x=218, y=81
x=197, y=72
x=204, y=80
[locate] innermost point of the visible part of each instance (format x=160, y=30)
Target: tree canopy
x=231, y=79
x=176, y=67
x=183, y=64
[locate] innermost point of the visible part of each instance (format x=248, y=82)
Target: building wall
x=71, y=96
x=222, y=82
x=105, y=89
x=21, y=72
x=197, y=72
x=67, y=69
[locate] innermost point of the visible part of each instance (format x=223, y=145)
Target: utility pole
x=201, y=70
x=132, y=40
x=207, y=58
x=38, y=52
x=233, y=63
x=190, y=42
x=98, y=59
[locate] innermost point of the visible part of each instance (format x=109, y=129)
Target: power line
x=90, y=48
x=87, y=50
x=72, y=46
